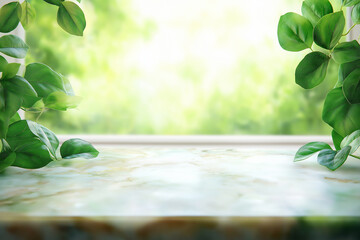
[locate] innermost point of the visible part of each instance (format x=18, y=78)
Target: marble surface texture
x=183, y=181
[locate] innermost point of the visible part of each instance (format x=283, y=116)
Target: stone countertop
x=168, y=181
x=201, y=184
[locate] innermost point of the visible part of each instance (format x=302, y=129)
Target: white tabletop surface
x=183, y=181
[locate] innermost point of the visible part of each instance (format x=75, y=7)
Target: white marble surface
x=183, y=181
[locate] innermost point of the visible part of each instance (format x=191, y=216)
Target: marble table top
x=183, y=181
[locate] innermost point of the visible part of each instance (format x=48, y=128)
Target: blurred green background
x=178, y=67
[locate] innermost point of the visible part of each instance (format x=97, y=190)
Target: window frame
x=192, y=140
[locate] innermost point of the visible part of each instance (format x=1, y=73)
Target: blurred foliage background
x=178, y=67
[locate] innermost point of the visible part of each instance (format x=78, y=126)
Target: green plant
x=319, y=24
x=25, y=143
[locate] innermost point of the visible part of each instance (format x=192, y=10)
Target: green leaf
x=347, y=52
x=10, y=70
x=33, y=144
x=355, y=14
x=345, y=69
x=351, y=87
x=45, y=80
x=311, y=71
x=3, y=63
x=13, y=46
x=349, y=3
x=54, y=2
x=340, y=114
x=326, y=156
x=314, y=10
x=295, y=32
x=13, y=93
x=352, y=140
x=48, y=84
x=333, y=159
x=329, y=30
x=61, y=101
x=71, y=18
x=67, y=86
x=34, y=104
x=337, y=138
x=75, y=148
x=6, y=159
x=15, y=118
x=309, y=149
x=9, y=17
x=27, y=14
x=20, y=86
x=45, y=135
x=4, y=146
x=10, y=103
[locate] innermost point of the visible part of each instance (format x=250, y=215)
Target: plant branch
x=349, y=30
x=354, y=156
x=40, y=114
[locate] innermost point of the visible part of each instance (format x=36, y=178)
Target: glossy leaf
x=340, y=114
x=326, y=156
x=10, y=103
x=27, y=14
x=10, y=70
x=4, y=146
x=349, y=3
x=71, y=18
x=6, y=159
x=347, y=52
x=34, y=144
x=351, y=87
x=13, y=46
x=314, y=10
x=329, y=30
x=20, y=86
x=54, y=2
x=333, y=159
x=45, y=135
x=355, y=14
x=61, y=101
x=34, y=104
x=309, y=149
x=44, y=80
x=9, y=17
x=75, y=148
x=337, y=138
x=13, y=93
x=295, y=32
x=15, y=118
x=311, y=71
x=352, y=140
x=3, y=63
x=345, y=69
x=67, y=86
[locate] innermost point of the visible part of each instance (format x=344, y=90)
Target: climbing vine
x=25, y=143
x=320, y=29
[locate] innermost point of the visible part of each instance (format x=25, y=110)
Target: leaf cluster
x=25, y=143
x=323, y=27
